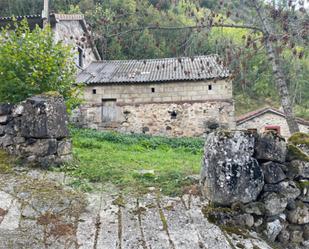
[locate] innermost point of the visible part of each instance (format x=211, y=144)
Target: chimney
x=45, y=13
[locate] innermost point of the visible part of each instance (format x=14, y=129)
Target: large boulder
x=229, y=172
x=43, y=116
x=270, y=147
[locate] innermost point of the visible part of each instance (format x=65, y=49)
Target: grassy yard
x=127, y=161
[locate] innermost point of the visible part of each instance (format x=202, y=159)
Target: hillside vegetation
x=112, y=21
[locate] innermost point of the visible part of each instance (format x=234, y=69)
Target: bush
x=31, y=63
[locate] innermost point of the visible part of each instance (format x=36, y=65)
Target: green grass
x=110, y=157
x=6, y=162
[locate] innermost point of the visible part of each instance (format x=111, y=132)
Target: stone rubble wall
x=259, y=182
x=36, y=130
x=192, y=119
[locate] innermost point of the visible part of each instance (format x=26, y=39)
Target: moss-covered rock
x=295, y=153
x=299, y=138
x=303, y=184
x=217, y=215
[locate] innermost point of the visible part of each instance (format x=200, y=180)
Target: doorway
x=109, y=111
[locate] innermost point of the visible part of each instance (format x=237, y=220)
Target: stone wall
x=160, y=92
x=72, y=33
x=259, y=183
x=171, y=109
x=261, y=121
x=36, y=130
x=170, y=119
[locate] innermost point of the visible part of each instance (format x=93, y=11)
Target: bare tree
x=270, y=37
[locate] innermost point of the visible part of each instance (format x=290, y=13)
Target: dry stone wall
x=260, y=183
x=36, y=130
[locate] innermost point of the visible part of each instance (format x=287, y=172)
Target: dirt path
x=38, y=211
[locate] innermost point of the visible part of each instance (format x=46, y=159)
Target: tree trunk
x=280, y=80
x=281, y=86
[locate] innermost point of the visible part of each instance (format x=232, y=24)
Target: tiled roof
x=69, y=17
x=250, y=115
x=154, y=70
x=60, y=17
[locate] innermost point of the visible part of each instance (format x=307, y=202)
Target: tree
x=32, y=63
x=20, y=7
x=278, y=24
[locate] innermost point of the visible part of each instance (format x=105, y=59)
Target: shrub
x=31, y=63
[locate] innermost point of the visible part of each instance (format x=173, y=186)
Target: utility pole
x=45, y=13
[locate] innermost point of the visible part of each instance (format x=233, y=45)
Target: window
x=274, y=128
x=209, y=87
x=153, y=89
x=80, y=57
x=94, y=91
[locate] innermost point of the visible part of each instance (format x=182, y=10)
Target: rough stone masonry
x=36, y=130
x=259, y=182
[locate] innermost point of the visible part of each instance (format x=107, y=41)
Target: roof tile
x=153, y=70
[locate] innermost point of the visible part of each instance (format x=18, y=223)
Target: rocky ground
x=38, y=210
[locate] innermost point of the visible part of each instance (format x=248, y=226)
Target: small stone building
x=71, y=29
x=269, y=119
x=172, y=96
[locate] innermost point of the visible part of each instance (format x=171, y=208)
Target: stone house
x=171, y=96
x=269, y=119
x=71, y=29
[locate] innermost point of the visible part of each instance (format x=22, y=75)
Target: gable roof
x=254, y=114
x=154, y=70
x=34, y=20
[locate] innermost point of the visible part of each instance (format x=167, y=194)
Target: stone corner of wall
x=36, y=130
